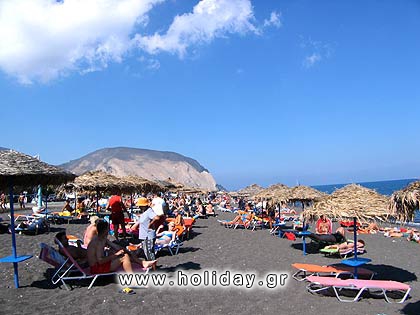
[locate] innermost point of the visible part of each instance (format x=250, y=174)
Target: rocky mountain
x=150, y=164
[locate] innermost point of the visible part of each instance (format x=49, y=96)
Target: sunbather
x=209, y=209
x=91, y=230
x=99, y=263
x=336, y=238
x=78, y=253
x=414, y=236
x=168, y=236
x=347, y=245
x=323, y=225
x=67, y=208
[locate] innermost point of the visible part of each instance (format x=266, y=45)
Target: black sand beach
x=211, y=247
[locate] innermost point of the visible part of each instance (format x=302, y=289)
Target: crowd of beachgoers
x=154, y=228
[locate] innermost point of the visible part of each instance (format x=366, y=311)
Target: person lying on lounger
x=414, y=236
x=78, y=253
x=168, y=236
x=347, y=245
x=242, y=218
x=336, y=238
x=99, y=263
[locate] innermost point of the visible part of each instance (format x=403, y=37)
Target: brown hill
x=150, y=164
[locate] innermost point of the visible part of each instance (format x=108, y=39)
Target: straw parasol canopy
x=25, y=170
x=169, y=183
x=304, y=193
x=250, y=190
x=277, y=192
x=143, y=184
x=403, y=203
x=192, y=190
x=102, y=181
x=20, y=169
x=351, y=201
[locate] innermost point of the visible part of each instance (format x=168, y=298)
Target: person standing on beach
x=3, y=201
x=21, y=201
x=147, y=235
x=117, y=207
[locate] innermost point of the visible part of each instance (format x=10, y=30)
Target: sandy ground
x=211, y=247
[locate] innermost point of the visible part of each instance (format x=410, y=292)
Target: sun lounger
x=306, y=270
x=342, y=253
x=71, y=270
x=173, y=247
x=374, y=287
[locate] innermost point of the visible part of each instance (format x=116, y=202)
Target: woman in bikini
x=167, y=236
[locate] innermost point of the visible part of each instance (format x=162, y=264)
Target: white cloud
x=209, y=19
x=316, y=51
x=274, y=20
x=43, y=39
x=151, y=64
x=311, y=60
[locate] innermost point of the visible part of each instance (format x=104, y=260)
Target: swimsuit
x=101, y=268
x=165, y=234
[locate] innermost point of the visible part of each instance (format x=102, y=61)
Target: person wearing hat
x=91, y=230
x=146, y=222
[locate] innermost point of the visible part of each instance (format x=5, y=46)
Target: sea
x=383, y=187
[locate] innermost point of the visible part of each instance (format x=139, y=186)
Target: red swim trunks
x=101, y=268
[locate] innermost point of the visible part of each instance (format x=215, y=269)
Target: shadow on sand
x=411, y=308
x=184, y=266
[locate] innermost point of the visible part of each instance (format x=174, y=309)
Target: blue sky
x=260, y=92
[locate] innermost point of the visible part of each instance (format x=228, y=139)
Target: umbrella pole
x=12, y=228
x=97, y=201
x=131, y=206
x=355, y=237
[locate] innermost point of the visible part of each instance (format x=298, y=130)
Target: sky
x=267, y=91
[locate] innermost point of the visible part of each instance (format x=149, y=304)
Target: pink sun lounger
x=381, y=287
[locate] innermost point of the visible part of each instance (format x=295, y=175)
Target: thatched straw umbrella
x=143, y=184
x=251, y=190
x=304, y=194
x=403, y=203
x=170, y=184
x=352, y=201
x=21, y=169
x=277, y=192
x=101, y=181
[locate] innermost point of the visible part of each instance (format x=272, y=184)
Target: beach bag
x=4, y=228
x=290, y=236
